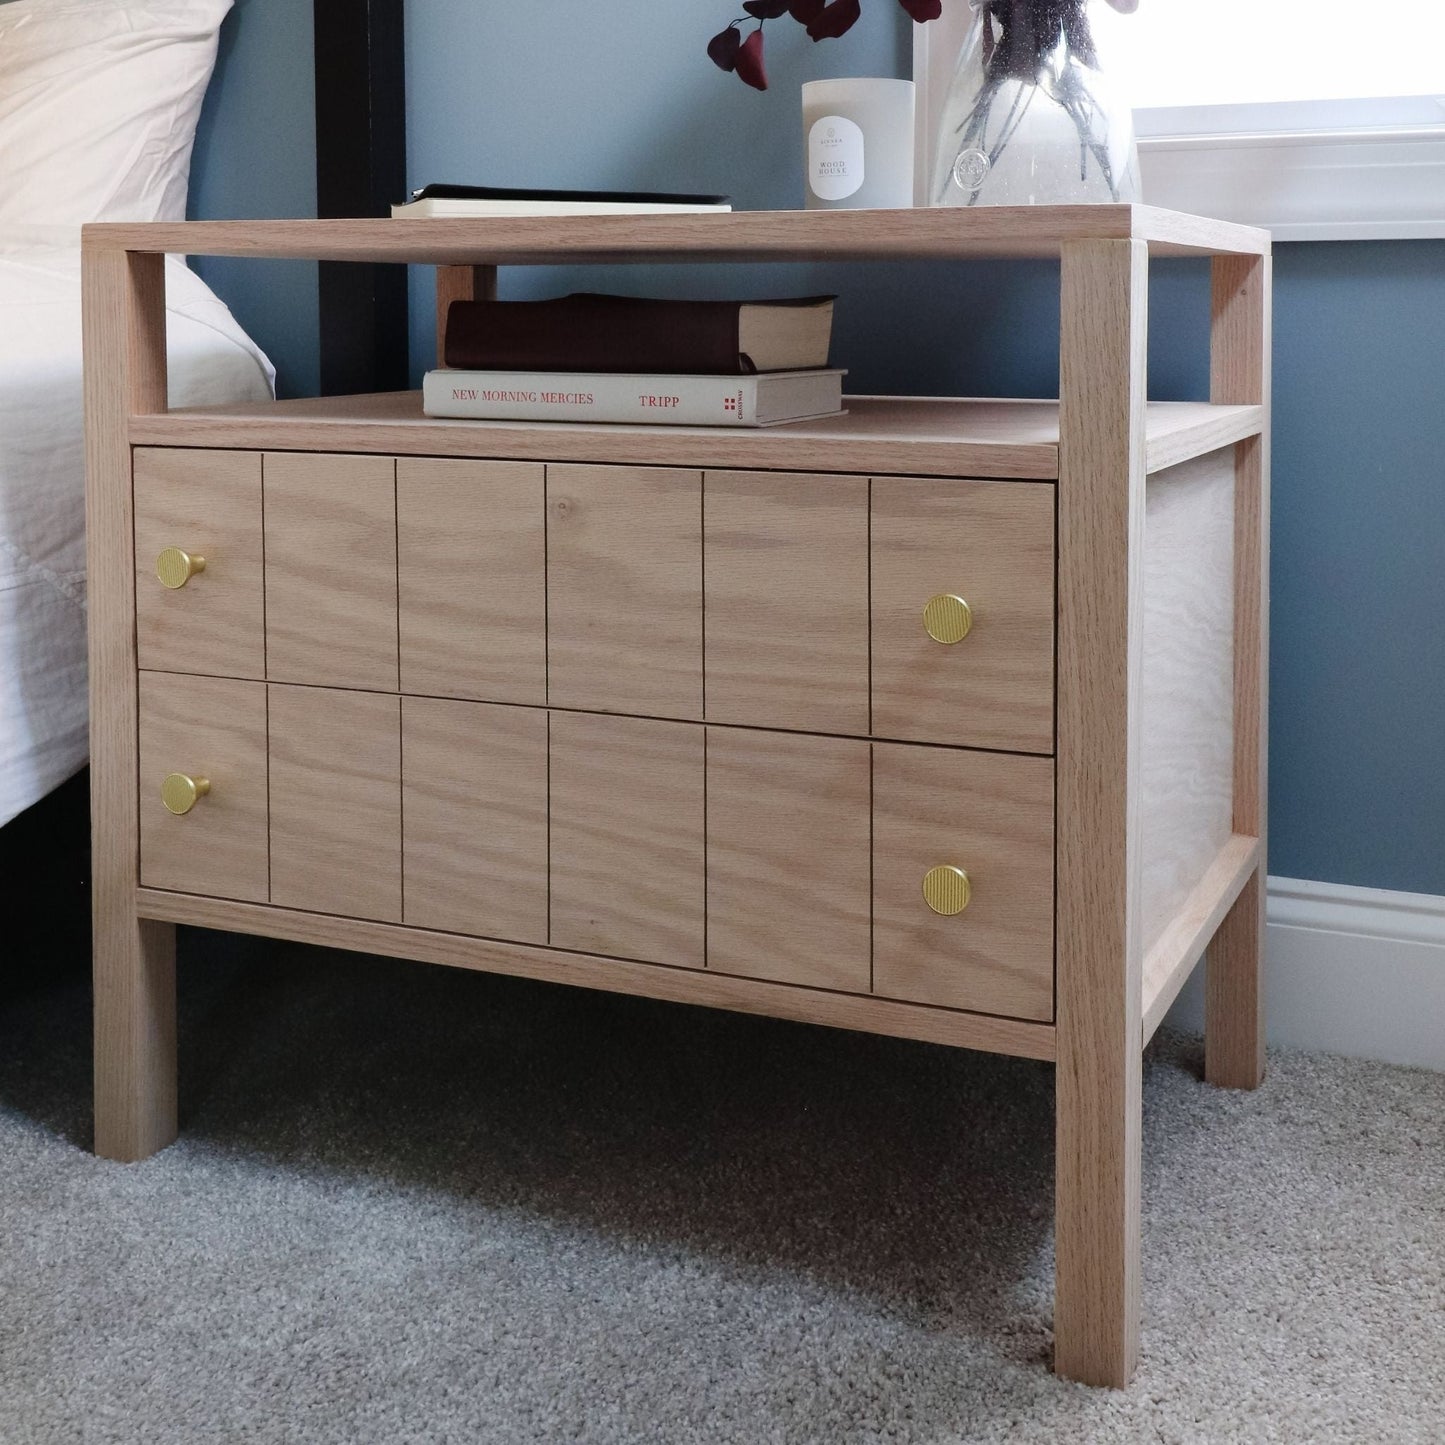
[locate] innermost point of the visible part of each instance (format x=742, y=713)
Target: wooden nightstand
x=943, y=719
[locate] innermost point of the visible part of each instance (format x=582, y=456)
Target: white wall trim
x=1357, y=971
x=1374, y=913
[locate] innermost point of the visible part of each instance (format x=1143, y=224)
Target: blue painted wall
x=256, y=156
x=574, y=93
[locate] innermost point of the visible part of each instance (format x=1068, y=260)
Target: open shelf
x=921, y=436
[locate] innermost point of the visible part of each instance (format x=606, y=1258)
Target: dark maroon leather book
x=592, y=332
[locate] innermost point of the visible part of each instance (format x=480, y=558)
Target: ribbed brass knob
x=180, y=792
x=176, y=567
x=947, y=618
x=946, y=889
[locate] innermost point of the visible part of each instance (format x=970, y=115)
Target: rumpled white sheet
x=43, y=705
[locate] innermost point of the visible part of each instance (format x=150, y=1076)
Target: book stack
x=597, y=358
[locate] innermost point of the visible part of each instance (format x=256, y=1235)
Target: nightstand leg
x=1098, y=953
x=1234, y=995
x=1096, y=1218
x=135, y=1036
x=124, y=318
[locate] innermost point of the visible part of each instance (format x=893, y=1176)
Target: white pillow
x=98, y=107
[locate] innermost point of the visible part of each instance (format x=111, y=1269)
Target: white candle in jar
x=858, y=143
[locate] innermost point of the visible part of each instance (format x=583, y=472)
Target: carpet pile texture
x=417, y=1205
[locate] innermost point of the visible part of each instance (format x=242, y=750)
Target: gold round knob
x=175, y=567
x=180, y=792
x=947, y=618
x=946, y=889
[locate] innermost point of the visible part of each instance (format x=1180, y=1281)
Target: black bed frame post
x=360, y=171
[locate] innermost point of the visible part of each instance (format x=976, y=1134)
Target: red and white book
x=768, y=399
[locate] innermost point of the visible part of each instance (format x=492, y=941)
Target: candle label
x=835, y=157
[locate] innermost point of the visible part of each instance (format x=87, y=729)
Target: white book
x=440, y=208
x=767, y=399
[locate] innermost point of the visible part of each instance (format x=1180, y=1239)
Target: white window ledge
x=1306, y=171
x=1377, y=172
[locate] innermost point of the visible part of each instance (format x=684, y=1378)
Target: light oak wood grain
x=627, y=838
x=624, y=590
x=207, y=503
x=631, y=808
x=331, y=570
x=1186, y=728
x=460, y=283
x=474, y=818
x=336, y=801
x=999, y=232
x=1100, y=944
x=992, y=816
x=702, y=987
x=1171, y=959
x=923, y=436
x=1177, y=432
x=788, y=870
x=124, y=328
x=471, y=579
x=214, y=728
x=992, y=545
x=1240, y=353
x=786, y=600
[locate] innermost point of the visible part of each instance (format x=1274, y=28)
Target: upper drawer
x=198, y=561
x=963, y=613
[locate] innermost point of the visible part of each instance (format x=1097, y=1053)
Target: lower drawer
x=909, y=872
x=203, y=823
x=991, y=817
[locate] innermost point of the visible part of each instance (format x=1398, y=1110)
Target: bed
x=42, y=485
x=98, y=108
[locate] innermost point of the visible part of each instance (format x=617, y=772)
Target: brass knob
x=175, y=567
x=947, y=618
x=946, y=889
x=180, y=792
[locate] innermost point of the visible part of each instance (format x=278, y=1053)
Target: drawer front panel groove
x=471, y=576
x=331, y=614
x=474, y=818
x=787, y=601
x=627, y=838
x=336, y=801
x=624, y=590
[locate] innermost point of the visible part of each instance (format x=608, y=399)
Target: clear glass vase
x=1032, y=116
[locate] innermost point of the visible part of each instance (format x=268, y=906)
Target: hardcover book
x=593, y=332
x=732, y=401
x=441, y=201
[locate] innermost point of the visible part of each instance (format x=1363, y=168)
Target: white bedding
x=42, y=486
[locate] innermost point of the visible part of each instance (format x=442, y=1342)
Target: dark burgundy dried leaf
x=835, y=19
x=806, y=11
x=723, y=48
x=766, y=9
x=922, y=10
x=749, y=64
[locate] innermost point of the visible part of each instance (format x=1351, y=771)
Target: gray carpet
x=417, y=1205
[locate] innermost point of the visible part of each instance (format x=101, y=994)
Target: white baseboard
x=1356, y=971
